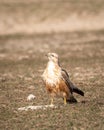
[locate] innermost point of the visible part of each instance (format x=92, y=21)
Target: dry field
x=48, y=16
x=22, y=61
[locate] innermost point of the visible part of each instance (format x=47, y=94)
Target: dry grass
x=22, y=60
x=21, y=66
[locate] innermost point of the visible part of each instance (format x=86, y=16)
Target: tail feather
x=76, y=90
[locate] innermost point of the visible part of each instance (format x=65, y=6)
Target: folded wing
x=69, y=84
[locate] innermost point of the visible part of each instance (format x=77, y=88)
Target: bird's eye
x=52, y=55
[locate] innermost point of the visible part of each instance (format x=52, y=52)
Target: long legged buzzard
x=57, y=80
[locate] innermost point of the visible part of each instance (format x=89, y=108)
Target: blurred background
x=47, y=16
x=30, y=21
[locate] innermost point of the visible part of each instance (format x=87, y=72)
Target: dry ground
x=21, y=66
x=22, y=61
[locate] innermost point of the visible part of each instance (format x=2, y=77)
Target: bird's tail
x=76, y=90
x=71, y=100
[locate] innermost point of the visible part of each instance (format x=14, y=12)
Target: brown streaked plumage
x=57, y=80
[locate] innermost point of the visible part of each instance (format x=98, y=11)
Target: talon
x=64, y=101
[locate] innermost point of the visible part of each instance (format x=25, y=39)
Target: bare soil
x=22, y=61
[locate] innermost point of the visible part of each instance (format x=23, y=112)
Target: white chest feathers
x=52, y=73
x=51, y=69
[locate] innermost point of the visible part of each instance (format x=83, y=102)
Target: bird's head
x=53, y=57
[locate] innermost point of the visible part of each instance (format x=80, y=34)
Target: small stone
x=31, y=97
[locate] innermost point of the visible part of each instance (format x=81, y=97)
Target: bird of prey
x=57, y=81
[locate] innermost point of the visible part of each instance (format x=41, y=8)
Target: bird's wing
x=65, y=77
x=69, y=84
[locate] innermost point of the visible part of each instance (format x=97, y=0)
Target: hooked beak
x=48, y=54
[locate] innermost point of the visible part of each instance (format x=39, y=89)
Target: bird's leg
x=52, y=98
x=64, y=100
x=51, y=101
x=64, y=96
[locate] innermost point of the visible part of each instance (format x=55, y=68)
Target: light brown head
x=53, y=57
